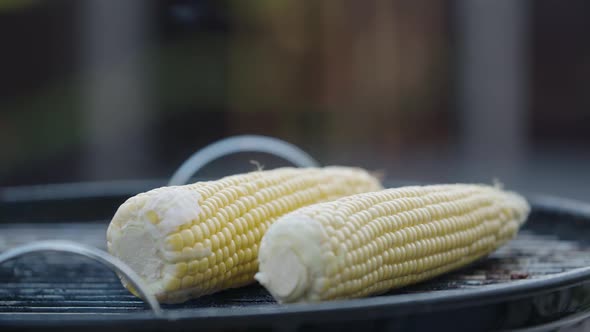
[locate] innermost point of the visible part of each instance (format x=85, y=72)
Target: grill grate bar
x=38, y=297
x=63, y=309
x=59, y=285
x=118, y=291
x=39, y=303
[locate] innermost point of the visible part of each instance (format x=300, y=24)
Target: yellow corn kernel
x=152, y=217
x=172, y=283
x=203, y=265
x=181, y=269
x=174, y=242
x=188, y=239
x=187, y=282
x=193, y=267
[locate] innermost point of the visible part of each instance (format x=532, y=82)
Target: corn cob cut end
x=138, y=233
x=287, y=261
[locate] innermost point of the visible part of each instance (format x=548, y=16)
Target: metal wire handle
x=243, y=143
x=95, y=254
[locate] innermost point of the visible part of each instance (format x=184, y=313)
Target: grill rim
x=386, y=306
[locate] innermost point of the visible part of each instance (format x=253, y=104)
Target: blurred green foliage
x=7, y=5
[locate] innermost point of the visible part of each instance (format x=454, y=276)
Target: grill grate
x=64, y=283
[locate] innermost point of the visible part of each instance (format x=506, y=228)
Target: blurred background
x=465, y=90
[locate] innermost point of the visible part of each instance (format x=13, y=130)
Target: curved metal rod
x=243, y=143
x=95, y=254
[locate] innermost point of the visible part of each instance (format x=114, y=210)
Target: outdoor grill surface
x=539, y=279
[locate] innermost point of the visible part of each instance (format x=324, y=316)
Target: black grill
x=542, y=277
x=63, y=283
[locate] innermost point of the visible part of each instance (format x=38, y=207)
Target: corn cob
x=188, y=241
x=370, y=243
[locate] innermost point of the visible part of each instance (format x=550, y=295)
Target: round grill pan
x=540, y=279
